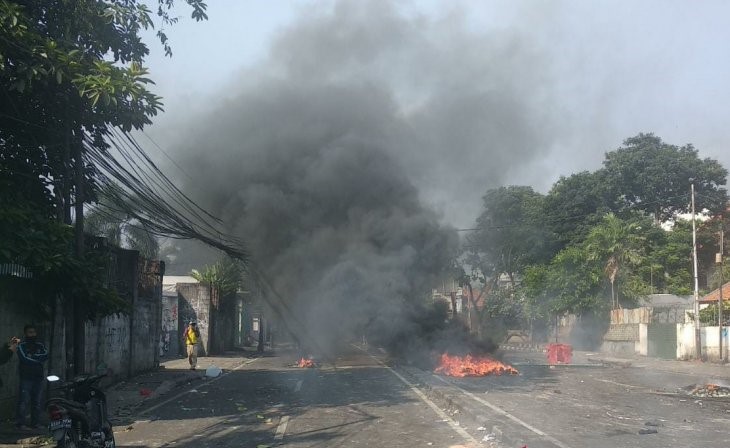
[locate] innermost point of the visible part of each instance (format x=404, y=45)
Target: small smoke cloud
x=323, y=157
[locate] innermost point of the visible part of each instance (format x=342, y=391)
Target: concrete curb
x=19, y=445
x=537, y=348
x=609, y=362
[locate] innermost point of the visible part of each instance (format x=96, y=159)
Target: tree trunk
x=260, y=347
x=613, y=298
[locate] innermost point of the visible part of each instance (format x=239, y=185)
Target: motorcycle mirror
x=52, y=378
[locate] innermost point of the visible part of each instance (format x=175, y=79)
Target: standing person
x=31, y=356
x=192, y=339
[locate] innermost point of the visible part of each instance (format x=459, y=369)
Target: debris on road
x=145, y=392
x=709, y=390
x=213, y=371
x=489, y=437
x=462, y=366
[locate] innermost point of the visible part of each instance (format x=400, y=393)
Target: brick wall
x=622, y=332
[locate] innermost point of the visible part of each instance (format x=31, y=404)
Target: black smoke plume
x=322, y=157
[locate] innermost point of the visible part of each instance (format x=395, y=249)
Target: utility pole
x=698, y=331
x=720, y=303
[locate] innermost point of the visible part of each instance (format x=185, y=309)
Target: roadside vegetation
x=597, y=240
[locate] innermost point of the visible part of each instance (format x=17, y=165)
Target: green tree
x=574, y=204
x=650, y=175
x=618, y=246
x=226, y=275
x=71, y=71
x=509, y=234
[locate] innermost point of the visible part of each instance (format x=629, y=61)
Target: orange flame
x=461, y=366
x=305, y=363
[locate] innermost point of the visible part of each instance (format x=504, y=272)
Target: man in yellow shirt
x=192, y=339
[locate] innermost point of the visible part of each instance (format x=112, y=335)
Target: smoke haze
x=450, y=106
x=330, y=156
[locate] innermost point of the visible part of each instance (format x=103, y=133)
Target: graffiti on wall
x=169, y=324
x=116, y=339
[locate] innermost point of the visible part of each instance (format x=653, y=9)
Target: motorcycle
x=79, y=418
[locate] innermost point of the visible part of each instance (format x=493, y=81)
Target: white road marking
x=212, y=380
x=298, y=387
x=504, y=413
x=281, y=429
x=619, y=384
x=455, y=426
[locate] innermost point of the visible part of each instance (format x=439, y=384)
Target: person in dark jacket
x=31, y=356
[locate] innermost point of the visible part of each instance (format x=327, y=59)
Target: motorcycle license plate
x=55, y=425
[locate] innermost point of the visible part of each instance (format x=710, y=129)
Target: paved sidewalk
x=695, y=368
x=128, y=397
x=710, y=369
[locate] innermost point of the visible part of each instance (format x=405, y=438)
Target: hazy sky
x=590, y=74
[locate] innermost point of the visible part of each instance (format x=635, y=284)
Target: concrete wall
x=119, y=345
x=125, y=344
x=169, y=337
x=648, y=315
x=710, y=337
x=194, y=303
x=642, y=347
x=107, y=346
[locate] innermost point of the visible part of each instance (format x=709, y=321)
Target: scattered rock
x=645, y=431
x=653, y=423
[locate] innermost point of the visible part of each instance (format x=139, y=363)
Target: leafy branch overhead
x=73, y=86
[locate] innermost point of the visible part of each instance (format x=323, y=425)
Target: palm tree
x=118, y=228
x=226, y=275
x=616, y=244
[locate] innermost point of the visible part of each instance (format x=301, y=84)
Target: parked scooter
x=78, y=418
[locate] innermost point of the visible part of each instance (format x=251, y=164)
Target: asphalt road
x=356, y=402
x=575, y=407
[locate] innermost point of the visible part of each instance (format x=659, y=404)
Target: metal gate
x=662, y=341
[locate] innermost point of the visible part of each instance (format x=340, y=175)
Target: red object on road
x=559, y=354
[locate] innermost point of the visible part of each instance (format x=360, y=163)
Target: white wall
x=710, y=337
x=642, y=345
